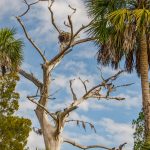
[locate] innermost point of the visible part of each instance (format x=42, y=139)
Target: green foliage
x=98, y=10
x=139, y=135
x=13, y=129
x=8, y=97
x=11, y=54
x=118, y=26
x=14, y=132
x=139, y=131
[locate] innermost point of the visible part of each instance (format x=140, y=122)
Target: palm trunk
x=145, y=83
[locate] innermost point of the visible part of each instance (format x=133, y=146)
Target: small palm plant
x=11, y=50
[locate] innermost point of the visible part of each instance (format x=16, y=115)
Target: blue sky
x=112, y=119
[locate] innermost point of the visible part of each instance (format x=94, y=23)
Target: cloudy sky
x=112, y=119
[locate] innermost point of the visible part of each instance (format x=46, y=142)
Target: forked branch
x=41, y=106
x=84, y=84
x=95, y=92
x=28, y=7
x=72, y=42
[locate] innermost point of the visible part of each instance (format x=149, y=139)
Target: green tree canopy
x=14, y=130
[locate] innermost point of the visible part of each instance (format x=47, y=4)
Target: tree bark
x=144, y=67
x=52, y=142
x=52, y=139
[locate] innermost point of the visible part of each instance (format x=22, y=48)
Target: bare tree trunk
x=52, y=142
x=145, y=83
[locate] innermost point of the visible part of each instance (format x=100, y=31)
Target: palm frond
x=142, y=18
x=117, y=26
x=11, y=49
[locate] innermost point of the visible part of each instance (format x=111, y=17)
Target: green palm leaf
x=11, y=49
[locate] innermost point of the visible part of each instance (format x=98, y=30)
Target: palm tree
x=11, y=54
x=122, y=29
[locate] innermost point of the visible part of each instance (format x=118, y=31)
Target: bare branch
x=82, y=28
x=30, y=40
x=66, y=50
x=71, y=28
x=28, y=7
x=52, y=17
x=94, y=92
x=82, y=41
x=83, y=122
x=31, y=77
x=121, y=146
x=108, y=98
x=59, y=56
x=74, y=9
x=73, y=94
x=85, y=147
x=67, y=25
x=92, y=146
x=37, y=130
x=41, y=106
x=48, y=97
x=105, y=82
x=123, y=85
x=83, y=82
x=114, y=77
x=68, y=110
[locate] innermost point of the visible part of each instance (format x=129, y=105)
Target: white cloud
x=108, y=70
x=96, y=105
x=129, y=102
x=8, y=7
x=58, y=105
x=75, y=66
x=86, y=53
x=26, y=66
x=87, y=139
x=76, y=116
x=35, y=141
x=26, y=105
x=62, y=81
x=118, y=133
x=92, y=104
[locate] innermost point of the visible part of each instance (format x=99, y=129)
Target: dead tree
x=52, y=130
